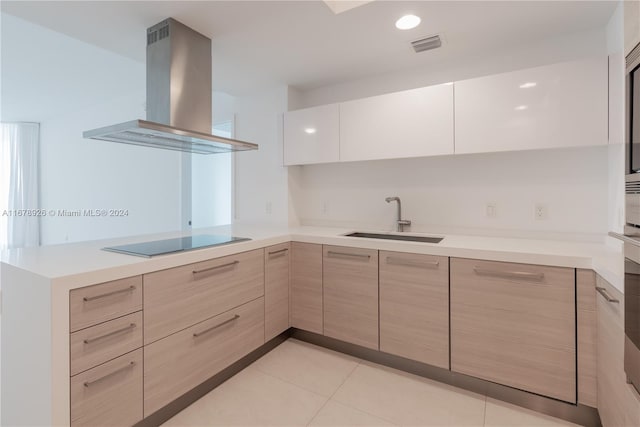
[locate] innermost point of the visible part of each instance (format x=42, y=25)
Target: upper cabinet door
x=412, y=123
x=559, y=105
x=312, y=135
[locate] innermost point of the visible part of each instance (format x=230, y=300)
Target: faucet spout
x=400, y=222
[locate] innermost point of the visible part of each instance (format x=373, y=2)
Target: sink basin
x=403, y=237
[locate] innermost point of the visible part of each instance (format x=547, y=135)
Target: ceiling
x=258, y=44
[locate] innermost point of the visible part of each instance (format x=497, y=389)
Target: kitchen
x=506, y=140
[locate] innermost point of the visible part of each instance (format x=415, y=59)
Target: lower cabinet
x=414, y=307
x=350, y=295
x=306, y=286
x=109, y=394
x=176, y=364
x=276, y=290
x=618, y=403
x=514, y=324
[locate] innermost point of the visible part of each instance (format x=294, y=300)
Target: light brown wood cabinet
x=618, y=403
x=109, y=394
x=414, y=307
x=306, y=286
x=514, y=324
x=350, y=295
x=276, y=290
x=179, y=297
x=587, y=337
x=180, y=362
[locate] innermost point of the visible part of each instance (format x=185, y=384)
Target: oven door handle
x=627, y=239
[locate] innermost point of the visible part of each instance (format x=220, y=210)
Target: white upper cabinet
x=312, y=135
x=411, y=123
x=559, y=105
x=631, y=25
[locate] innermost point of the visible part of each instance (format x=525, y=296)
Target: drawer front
x=276, y=290
x=106, y=301
x=109, y=394
x=180, y=297
x=414, y=307
x=306, y=286
x=350, y=289
x=514, y=324
x=180, y=362
x=95, y=345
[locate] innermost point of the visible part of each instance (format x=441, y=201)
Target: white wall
x=260, y=179
x=450, y=193
x=616, y=154
x=70, y=86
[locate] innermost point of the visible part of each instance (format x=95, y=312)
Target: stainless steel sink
x=403, y=237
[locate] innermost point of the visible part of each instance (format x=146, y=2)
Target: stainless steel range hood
x=178, y=96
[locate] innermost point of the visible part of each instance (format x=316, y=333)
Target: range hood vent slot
x=426, y=43
x=178, y=97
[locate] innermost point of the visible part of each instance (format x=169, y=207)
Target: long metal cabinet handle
x=108, y=294
x=605, y=294
x=509, y=274
x=635, y=241
x=330, y=253
x=117, y=371
x=400, y=261
x=110, y=334
x=205, y=270
x=197, y=334
x=280, y=252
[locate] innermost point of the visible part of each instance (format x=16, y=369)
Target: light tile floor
x=299, y=384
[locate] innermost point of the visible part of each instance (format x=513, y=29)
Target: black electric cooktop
x=180, y=244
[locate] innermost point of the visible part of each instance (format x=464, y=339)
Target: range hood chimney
x=178, y=96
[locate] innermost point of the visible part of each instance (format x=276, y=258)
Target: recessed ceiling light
x=527, y=85
x=521, y=107
x=408, y=22
x=310, y=130
x=449, y=83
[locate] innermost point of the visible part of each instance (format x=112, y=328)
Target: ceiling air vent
x=427, y=43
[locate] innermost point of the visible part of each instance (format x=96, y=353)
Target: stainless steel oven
x=632, y=227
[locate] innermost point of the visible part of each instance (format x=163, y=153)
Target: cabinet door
x=618, y=404
x=514, y=324
x=414, y=307
x=276, y=290
x=411, y=123
x=311, y=135
x=306, y=286
x=559, y=105
x=631, y=25
x=350, y=291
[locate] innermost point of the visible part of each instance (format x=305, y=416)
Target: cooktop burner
x=180, y=244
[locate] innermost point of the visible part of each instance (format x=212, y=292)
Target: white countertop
x=84, y=263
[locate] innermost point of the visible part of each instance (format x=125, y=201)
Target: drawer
x=99, y=303
x=95, y=345
x=180, y=362
x=180, y=297
x=109, y=394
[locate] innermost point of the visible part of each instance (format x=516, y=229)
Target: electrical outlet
x=491, y=210
x=267, y=208
x=540, y=212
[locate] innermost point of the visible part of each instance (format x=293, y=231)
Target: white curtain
x=19, y=185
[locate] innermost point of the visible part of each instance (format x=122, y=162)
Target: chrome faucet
x=401, y=222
